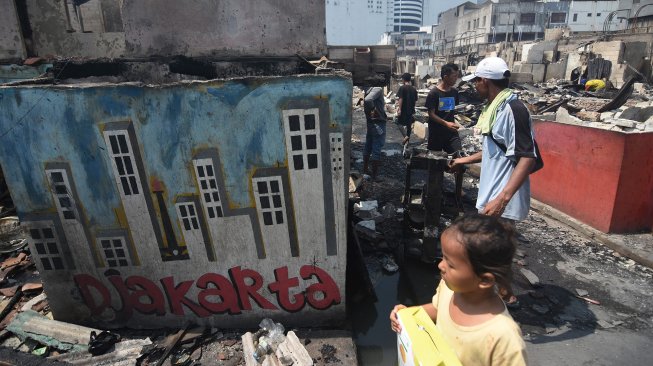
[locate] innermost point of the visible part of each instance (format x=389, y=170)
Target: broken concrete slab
x=60, y=335
x=581, y=292
x=625, y=123
x=605, y=116
x=563, y=116
x=530, y=277
x=589, y=116
x=366, y=209
x=637, y=114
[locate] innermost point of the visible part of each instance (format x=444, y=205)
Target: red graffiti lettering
x=282, y=287
x=85, y=283
x=246, y=291
x=325, y=285
x=217, y=294
x=177, y=297
x=223, y=289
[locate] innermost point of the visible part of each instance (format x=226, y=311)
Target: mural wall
x=220, y=202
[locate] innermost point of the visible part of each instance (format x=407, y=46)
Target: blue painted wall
x=241, y=118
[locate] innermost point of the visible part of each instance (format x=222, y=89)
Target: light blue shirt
x=497, y=166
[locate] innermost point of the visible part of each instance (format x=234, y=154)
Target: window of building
x=84, y=16
x=469, y=25
x=336, y=152
x=114, y=251
x=589, y=15
x=484, y=18
x=558, y=17
x=47, y=248
x=269, y=197
x=123, y=160
x=575, y=17
x=598, y=14
x=527, y=18
x=208, y=185
x=63, y=195
x=410, y=42
x=302, y=131
x=188, y=216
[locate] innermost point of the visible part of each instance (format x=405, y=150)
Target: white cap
x=489, y=68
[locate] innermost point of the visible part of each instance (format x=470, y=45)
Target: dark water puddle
x=376, y=342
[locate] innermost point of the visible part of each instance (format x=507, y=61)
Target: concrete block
x=526, y=69
x=521, y=77
x=538, y=72
x=612, y=50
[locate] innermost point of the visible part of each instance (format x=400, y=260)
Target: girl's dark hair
x=490, y=244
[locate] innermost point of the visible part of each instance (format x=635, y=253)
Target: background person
x=407, y=95
x=443, y=129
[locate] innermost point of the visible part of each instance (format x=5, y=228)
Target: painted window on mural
x=269, y=197
x=188, y=216
x=47, y=248
x=302, y=131
x=114, y=251
x=336, y=152
x=124, y=162
x=205, y=174
x=62, y=192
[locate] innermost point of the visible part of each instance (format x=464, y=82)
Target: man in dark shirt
x=407, y=95
x=443, y=129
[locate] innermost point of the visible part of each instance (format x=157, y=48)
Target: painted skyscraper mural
x=217, y=202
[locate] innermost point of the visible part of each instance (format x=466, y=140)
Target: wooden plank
x=248, y=349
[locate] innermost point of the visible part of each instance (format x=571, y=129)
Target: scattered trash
x=591, y=301
x=388, y=263
x=270, y=346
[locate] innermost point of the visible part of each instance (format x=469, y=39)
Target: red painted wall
x=603, y=178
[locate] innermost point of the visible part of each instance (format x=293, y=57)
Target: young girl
x=477, y=255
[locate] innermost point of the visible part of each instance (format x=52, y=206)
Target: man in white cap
x=508, y=155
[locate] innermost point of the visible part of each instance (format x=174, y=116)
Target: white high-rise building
x=407, y=15
x=363, y=22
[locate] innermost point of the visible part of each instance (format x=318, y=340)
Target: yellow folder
x=420, y=342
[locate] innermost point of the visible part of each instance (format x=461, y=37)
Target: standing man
x=374, y=106
x=443, y=129
x=508, y=154
x=406, y=106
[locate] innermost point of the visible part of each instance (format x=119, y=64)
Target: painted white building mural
x=154, y=207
